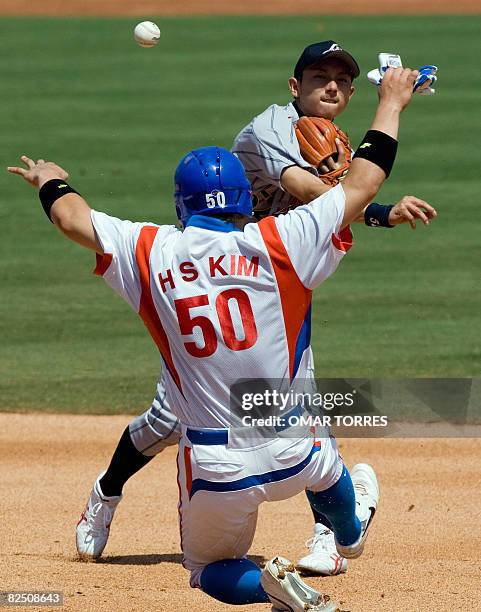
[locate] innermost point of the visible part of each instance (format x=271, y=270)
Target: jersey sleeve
x=267, y=146
x=312, y=237
x=118, y=265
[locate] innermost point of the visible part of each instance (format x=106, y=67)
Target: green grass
x=118, y=117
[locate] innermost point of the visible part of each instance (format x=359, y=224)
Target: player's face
x=324, y=90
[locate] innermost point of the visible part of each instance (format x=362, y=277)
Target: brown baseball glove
x=317, y=143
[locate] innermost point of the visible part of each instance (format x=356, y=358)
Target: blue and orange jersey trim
x=147, y=310
x=295, y=298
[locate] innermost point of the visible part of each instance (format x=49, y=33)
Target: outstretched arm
x=306, y=187
x=69, y=212
x=365, y=177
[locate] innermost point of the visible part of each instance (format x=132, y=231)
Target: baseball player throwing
x=226, y=299
x=322, y=86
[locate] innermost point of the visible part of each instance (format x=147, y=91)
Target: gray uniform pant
x=157, y=428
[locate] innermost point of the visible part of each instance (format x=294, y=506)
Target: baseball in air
x=147, y=34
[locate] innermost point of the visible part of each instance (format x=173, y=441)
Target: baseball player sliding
x=280, y=178
x=226, y=299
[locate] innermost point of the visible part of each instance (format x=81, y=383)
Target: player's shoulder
x=164, y=233
x=324, y=207
x=268, y=121
x=274, y=115
x=332, y=197
x=163, y=230
x=132, y=228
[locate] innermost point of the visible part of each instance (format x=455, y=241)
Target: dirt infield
x=421, y=556
x=221, y=7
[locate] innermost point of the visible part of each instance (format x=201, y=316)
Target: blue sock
x=233, y=581
x=319, y=517
x=338, y=503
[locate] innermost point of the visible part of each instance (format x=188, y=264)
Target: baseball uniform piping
x=256, y=480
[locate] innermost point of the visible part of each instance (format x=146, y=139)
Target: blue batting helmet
x=210, y=181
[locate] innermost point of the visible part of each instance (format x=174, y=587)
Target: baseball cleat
x=323, y=558
x=288, y=593
x=366, y=489
x=93, y=528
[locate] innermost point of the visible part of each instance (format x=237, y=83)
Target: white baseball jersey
x=224, y=304
x=266, y=147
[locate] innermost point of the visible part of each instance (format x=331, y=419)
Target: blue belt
x=212, y=437
x=208, y=436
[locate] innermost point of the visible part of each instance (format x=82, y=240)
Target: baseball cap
x=322, y=50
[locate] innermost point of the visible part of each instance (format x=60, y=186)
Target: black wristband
x=377, y=215
x=378, y=148
x=51, y=191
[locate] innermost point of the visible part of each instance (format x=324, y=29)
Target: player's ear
x=294, y=87
x=352, y=92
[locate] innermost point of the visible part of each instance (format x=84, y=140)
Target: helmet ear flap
x=179, y=204
x=178, y=212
